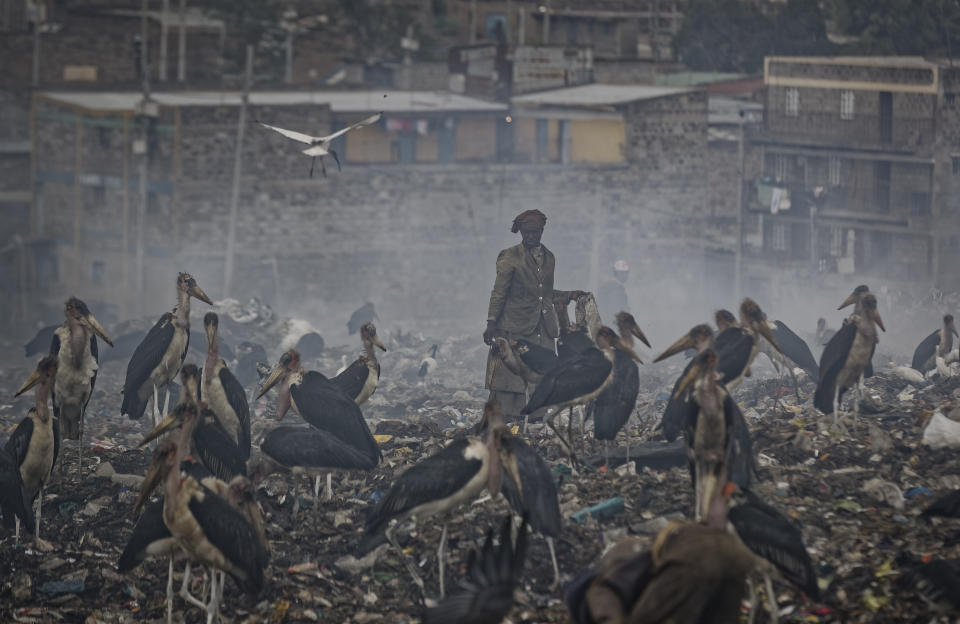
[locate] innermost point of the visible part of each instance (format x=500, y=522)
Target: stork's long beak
x=622, y=346
x=636, y=331
x=211, y=331
x=168, y=423
x=150, y=482
x=196, y=291
x=275, y=375
x=29, y=383
x=95, y=326
x=850, y=300
x=376, y=341
x=764, y=330
x=879, y=321
x=685, y=342
x=688, y=379
x=706, y=490
x=494, y=469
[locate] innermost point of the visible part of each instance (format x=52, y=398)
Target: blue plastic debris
x=664, y=396
x=917, y=491
x=600, y=511
x=55, y=588
x=376, y=495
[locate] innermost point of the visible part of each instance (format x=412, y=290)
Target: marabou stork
x=205, y=436
x=306, y=450
x=718, y=442
x=322, y=404
x=612, y=408
x=855, y=299
x=537, y=358
x=846, y=356
x=75, y=345
x=937, y=345
x=222, y=392
x=793, y=352
x=15, y=505
x=158, y=358
x=535, y=496
x=441, y=483
x=776, y=541
x=427, y=364
x=320, y=145
x=512, y=359
x=209, y=529
x=693, y=573
x=700, y=337
x=578, y=379
x=937, y=583
x=486, y=594
x=360, y=379
x=736, y=345
x=35, y=443
x=362, y=315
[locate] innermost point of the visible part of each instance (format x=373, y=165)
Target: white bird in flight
x=320, y=146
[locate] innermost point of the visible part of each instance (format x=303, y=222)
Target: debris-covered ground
x=856, y=489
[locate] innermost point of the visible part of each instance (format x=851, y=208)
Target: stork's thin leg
x=213, y=607
x=328, y=493
x=166, y=404
x=771, y=600
x=411, y=568
x=553, y=559
x=606, y=456
x=316, y=487
x=170, y=590
x=752, y=593
x=550, y=423
x=16, y=530
x=185, y=589
x=526, y=421
x=856, y=404
x=440, y=566
x=83, y=414
x=156, y=406
x=38, y=511
x=583, y=427
x=796, y=383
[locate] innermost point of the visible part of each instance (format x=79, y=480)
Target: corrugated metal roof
x=694, y=78
x=339, y=101
x=595, y=95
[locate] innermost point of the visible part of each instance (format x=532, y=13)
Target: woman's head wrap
x=529, y=217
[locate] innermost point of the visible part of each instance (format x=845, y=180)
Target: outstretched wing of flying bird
x=292, y=134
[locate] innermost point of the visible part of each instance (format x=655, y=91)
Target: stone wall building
x=858, y=172
x=412, y=222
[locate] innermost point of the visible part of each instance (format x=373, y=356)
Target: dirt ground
x=809, y=469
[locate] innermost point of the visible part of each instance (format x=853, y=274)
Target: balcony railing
x=909, y=134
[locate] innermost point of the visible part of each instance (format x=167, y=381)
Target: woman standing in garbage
x=521, y=306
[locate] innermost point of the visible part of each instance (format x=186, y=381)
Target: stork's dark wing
x=14, y=501
x=769, y=534
x=55, y=343
x=925, y=350
x=538, y=359
x=19, y=442
x=218, y=451
x=725, y=337
x=229, y=531
x=796, y=348
x=831, y=363
x=309, y=447
x=95, y=352
x=434, y=478
x=675, y=412
x=733, y=356
x=325, y=407
x=574, y=343
x=149, y=530
x=569, y=379
x=936, y=582
x=146, y=357
x=486, y=594
x=351, y=380
x=537, y=495
x=947, y=506
x=612, y=408
x=40, y=341
x=741, y=463
x=237, y=398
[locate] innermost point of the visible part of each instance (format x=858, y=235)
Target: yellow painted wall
x=369, y=145
x=597, y=141
x=476, y=138
x=427, y=147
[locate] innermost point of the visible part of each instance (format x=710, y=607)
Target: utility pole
x=182, y=44
x=143, y=148
x=237, y=169
x=738, y=258
x=473, y=22
x=164, y=13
